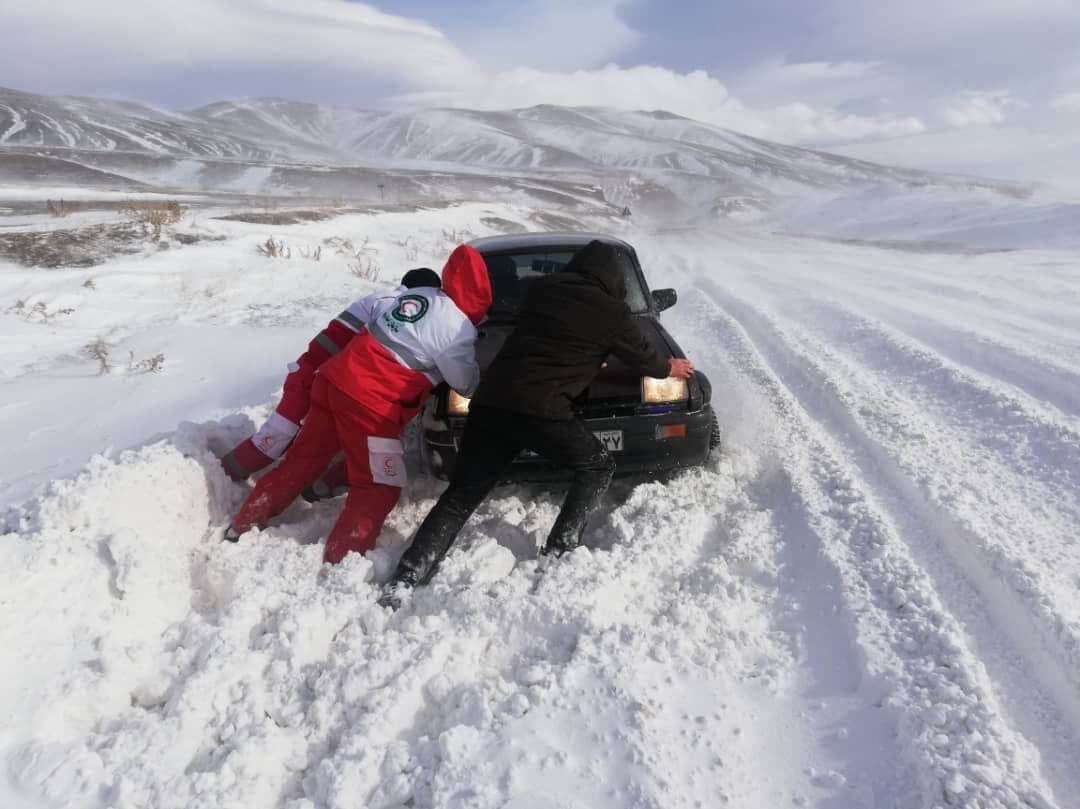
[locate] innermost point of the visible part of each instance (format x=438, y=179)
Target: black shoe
x=231, y=535
x=394, y=595
x=556, y=549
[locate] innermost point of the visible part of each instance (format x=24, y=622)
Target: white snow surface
x=868, y=598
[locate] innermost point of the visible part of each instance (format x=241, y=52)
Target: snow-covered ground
x=867, y=599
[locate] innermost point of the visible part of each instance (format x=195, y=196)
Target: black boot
x=582, y=500
x=394, y=594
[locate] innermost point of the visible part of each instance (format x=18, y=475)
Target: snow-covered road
x=868, y=599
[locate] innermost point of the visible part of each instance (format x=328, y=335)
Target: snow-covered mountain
x=27, y=119
x=297, y=127
x=653, y=157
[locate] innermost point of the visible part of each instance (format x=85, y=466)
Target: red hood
x=465, y=280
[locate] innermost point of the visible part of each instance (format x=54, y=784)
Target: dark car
x=649, y=425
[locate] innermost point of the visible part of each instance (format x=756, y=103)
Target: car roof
x=541, y=240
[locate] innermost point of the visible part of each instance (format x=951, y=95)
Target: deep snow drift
x=868, y=599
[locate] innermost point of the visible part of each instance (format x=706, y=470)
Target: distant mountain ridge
x=695, y=162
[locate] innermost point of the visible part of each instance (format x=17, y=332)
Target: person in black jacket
x=569, y=323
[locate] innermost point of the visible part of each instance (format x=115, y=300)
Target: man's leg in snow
x=369, y=502
x=570, y=444
x=314, y=447
x=359, y=523
x=487, y=448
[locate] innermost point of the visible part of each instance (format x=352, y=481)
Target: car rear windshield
x=510, y=274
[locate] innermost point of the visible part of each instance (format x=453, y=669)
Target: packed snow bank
x=163, y=668
x=97, y=571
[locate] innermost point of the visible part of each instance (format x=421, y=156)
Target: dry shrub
x=39, y=312
x=409, y=246
x=272, y=249
x=150, y=365
x=59, y=209
x=365, y=267
x=312, y=255
x=453, y=236
x=99, y=351
x=154, y=215
x=345, y=247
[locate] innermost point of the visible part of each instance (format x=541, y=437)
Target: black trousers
x=493, y=439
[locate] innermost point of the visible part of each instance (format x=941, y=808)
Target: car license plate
x=611, y=439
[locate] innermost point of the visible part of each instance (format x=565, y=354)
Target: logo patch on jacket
x=410, y=308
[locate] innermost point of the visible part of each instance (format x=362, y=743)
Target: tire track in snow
x=1044, y=379
x=1049, y=714
x=1000, y=319
x=1004, y=475
x=1031, y=452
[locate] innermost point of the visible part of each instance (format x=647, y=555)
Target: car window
x=510, y=274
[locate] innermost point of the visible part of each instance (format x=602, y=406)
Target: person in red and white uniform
x=363, y=396
x=257, y=452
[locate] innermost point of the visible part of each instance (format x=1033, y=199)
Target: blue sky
x=991, y=86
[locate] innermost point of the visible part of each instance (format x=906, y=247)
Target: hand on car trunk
x=681, y=369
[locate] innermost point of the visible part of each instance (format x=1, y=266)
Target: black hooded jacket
x=569, y=323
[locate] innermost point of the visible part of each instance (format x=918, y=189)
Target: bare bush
x=153, y=216
x=453, y=236
x=272, y=249
x=39, y=312
x=312, y=255
x=97, y=350
x=149, y=365
x=59, y=209
x=409, y=246
x=346, y=247
x=89, y=284
x=365, y=267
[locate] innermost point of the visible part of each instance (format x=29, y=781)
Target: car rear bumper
x=643, y=451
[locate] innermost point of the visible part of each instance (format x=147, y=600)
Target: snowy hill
x=653, y=158
x=317, y=129
x=95, y=124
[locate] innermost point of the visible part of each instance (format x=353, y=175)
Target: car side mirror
x=664, y=298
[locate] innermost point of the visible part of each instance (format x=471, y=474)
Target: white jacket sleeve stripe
x=351, y=320
x=324, y=340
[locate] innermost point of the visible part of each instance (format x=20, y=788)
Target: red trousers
x=334, y=423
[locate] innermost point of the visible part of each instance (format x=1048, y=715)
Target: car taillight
x=662, y=391
x=456, y=404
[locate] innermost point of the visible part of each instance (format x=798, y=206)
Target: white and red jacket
x=421, y=347
x=414, y=339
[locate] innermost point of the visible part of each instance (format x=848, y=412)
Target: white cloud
x=695, y=95
x=1066, y=101
x=49, y=38
x=976, y=109
x=551, y=35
